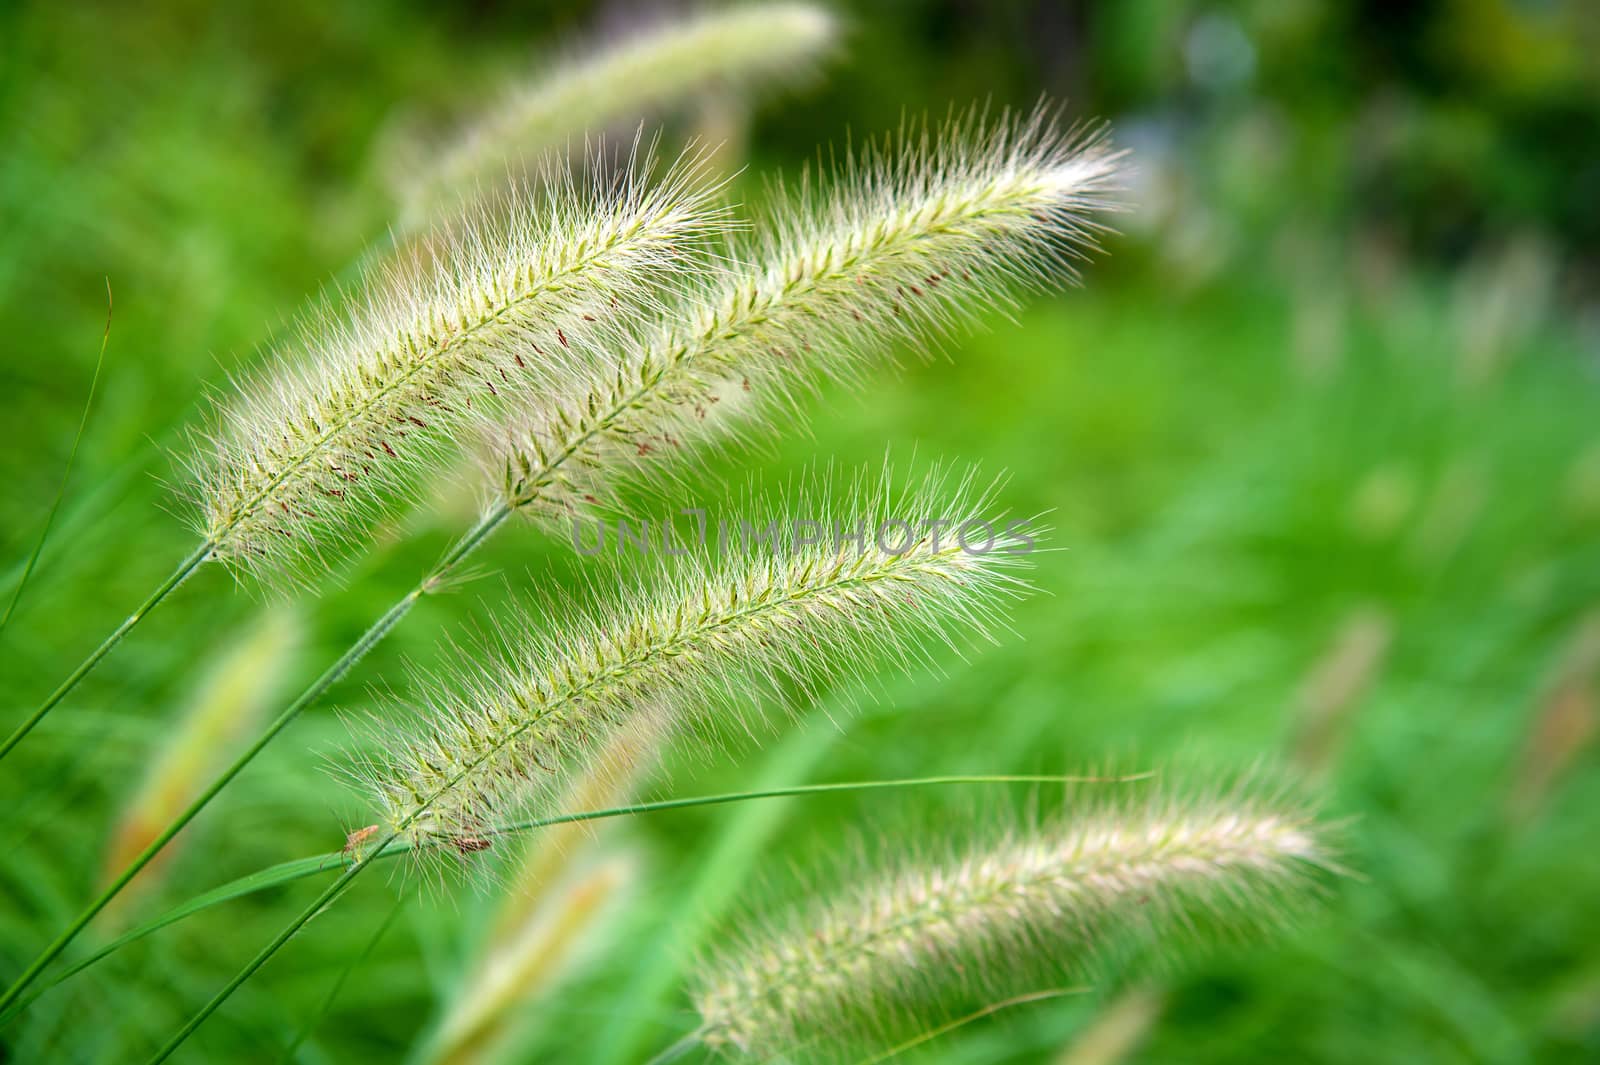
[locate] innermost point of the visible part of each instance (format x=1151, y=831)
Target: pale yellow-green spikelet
x=909, y=948
x=551, y=903
x=609, y=780
x=656, y=69
x=462, y=335
x=226, y=707
x=531, y=958
x=820, y=596
x=906, y=242
x=1335, y=687
x=1563, y=726
x=1117, y=1031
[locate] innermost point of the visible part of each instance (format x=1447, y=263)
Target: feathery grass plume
x=480, y=320
x=530, y=959
x=910, y=239
x=718, y=634
x=653, y=69
x=907, y=948
x=227, y=706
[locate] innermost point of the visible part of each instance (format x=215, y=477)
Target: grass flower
x=306, y=456
x=900, y=948
x=704, y=646
x=654, y=69
x=908, y=240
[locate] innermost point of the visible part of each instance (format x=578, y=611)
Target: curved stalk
x=321, y=902
x=66, y=472
x=976, y=1015
x=369, y=639
x=283, y=873
x=187, y=567
x=177, y=577
x=328, y=1000
x=677, y=1050
x=392, y=845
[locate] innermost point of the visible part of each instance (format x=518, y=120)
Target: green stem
x=369, y=639
x=302, y=868
x=178, y=576
x=322, y=901
x=168, y=437
x=66, y=473
x=676, y=1050
x=338, y=985
x=383, y=850
x=976, y=1015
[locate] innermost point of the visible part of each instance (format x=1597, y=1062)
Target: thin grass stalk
x=224, y=710
x=66, y=472
x=1119, y=1029
x=1043, y=186
x=322, y=901
x=331, y=676
x=332, y=996
x=978, y=1014
x=677, y=1051
x=393, y=845
x=164, y=589
x=396, y=374
x=302, y=868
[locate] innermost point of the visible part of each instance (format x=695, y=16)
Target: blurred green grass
x=1247, y=429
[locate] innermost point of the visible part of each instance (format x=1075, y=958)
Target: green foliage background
x=1339, y=370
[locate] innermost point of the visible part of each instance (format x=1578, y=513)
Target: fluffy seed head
x=908, y=240
x=910, y=947
x=651, y=70
x=704, y=646
x=306, y=456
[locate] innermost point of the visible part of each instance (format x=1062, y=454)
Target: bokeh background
x=1318, y=437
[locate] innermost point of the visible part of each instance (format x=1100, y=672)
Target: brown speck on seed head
x=470, y=844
